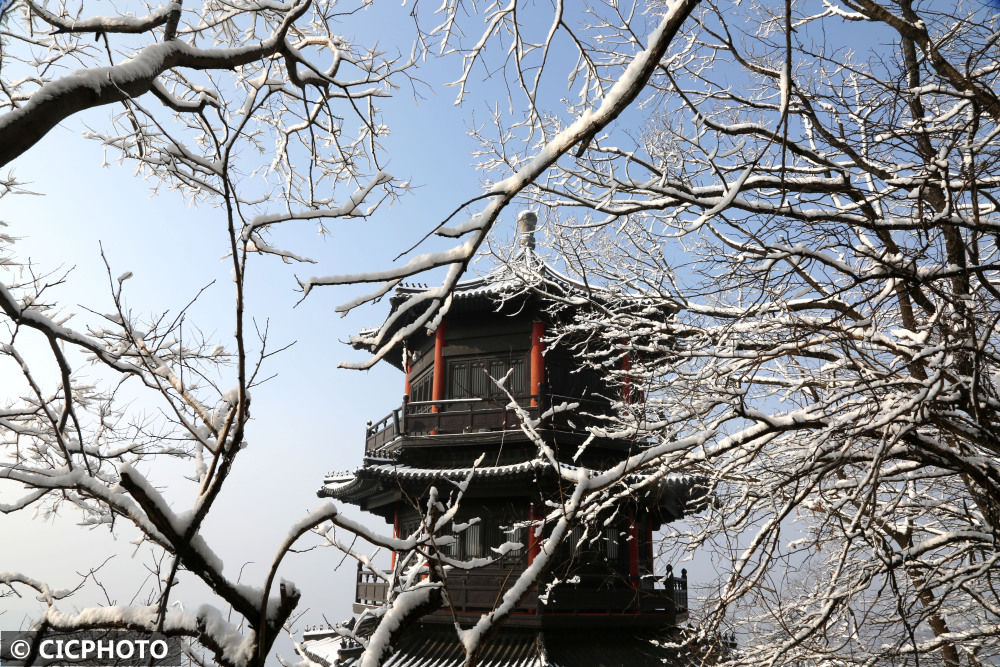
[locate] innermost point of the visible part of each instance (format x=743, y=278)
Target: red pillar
x=437, y=384
x=409, y=367
x=537, y=360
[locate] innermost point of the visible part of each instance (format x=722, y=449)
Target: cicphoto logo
x=97, y=648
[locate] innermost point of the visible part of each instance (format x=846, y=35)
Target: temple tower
x=602, y=602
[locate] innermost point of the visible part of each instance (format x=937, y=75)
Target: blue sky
x=309, y=419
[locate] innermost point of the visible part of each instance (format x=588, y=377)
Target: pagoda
x=471, y=382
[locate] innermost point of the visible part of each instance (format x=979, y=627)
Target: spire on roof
x=527, y=222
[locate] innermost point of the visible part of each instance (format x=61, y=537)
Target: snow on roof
x=340, y=483
x=322, y=647
x=432, y=648
x=399, y=471
x=334, y=485
x=523, y=272
x=514, y=281
x=427, y=646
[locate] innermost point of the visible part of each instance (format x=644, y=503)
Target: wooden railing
x=477, y=591
x=476, y=415
x=370, y=590
x=589, y=597
x=464, y=416
x=447, y=417
x=384, y=431
x=678, y=587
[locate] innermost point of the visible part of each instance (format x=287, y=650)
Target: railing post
x=684, y=583
x=357, y=586
x=406, y=402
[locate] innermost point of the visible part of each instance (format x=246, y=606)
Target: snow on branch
x=102, y=24
x=22, y=127
x=579, y=133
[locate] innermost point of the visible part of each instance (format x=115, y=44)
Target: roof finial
x=527, y=221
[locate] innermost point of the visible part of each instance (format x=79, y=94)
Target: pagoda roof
x=389, y=469
x=523, y=273
x=673, y=490
x=439, y=647
x=521, y=278
x=393, y=470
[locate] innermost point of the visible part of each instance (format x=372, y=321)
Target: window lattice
x=474, y=378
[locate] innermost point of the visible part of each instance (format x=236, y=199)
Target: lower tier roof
x=372, y=485
x=427, y=646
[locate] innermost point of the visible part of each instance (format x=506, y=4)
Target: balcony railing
x=666, y=595
x=677, y=587
x=477, y=591
x=370, y=590
x=465, y=415
x=474, y=415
